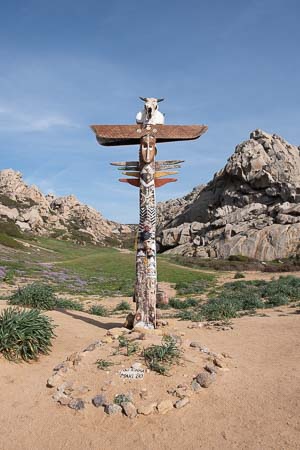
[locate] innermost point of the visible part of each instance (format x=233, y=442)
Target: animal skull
x=151, y=105
x=150, y=115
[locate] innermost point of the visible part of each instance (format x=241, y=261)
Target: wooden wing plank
x=112, y=135
x=133, y=181
x=125, y=163
x=162, y=181
x=163, y=174
x=132, y=174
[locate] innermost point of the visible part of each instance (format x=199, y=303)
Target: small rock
x=112, y=409
x=135, y=335
x=66, y=387
x=219, y=363
x=60, y=367
x=204, y=349
x=182, y=402
x=195, y=344
x=80, y=390
x=147, y=409
x=211, y=368
x=196, y=386
x=61, y=398
x=99, y=400
x=144, y=394
x=54, y=381
x=116, y=332
x=205, y=379
x=77, y=404
x=196, y=325
x=164, y=406
x=129, y=409
x=183, y=392
x=107, y=340
x=136, y=366
x=93, y=346
x=75, y=358
x=129, y=321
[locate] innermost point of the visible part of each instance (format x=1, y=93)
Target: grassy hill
x=84, y=269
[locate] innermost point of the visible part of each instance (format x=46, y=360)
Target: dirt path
x=253, y=406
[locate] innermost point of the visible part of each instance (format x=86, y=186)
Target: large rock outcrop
x=61, y=217
x=251, y=207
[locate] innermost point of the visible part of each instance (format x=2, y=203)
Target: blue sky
x=64, y=65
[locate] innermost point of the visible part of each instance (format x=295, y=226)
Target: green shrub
x=163, y=306
x=123, y=306
x=277, y=300
x=130, y=347
x=10, y=228
x=65, y=303
x=239, y=275
x=160, y=358
x=241, y=258
x=286, y=286
x=192, y=287
x=194, y=316
x=24, y=334
x=9, y=241
x=103, y=364
x=176, y=303
x=35, y=295
x=9, y=277
x=220, y=309
x=99, y=310
x=121, y=398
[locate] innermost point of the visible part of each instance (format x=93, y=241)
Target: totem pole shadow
x=90, y=321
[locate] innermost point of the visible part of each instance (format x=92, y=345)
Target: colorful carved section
x=146, y=276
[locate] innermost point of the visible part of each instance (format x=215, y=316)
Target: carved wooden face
x=148, y=149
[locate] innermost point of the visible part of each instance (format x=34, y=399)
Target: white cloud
x=14, y=120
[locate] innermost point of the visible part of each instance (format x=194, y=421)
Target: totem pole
x=147, y=174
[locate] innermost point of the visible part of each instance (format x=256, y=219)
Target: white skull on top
x=150, y=114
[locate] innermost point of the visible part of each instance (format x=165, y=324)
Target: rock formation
x=61, y=217
x=251, y=207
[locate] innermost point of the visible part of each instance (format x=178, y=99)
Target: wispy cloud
x=14, y=120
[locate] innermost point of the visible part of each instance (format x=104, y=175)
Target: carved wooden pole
x=146, y=275
x=147, y=174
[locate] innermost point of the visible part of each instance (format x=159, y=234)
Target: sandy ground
x=254, y=406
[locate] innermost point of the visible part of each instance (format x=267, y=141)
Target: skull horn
x=144, y=99
x=160, y=100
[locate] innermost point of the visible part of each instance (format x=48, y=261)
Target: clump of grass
x=192, y=287
x=130, y=347
x=66, y=303
x=176, y=303
x=238, y=275
x=160, y=358
x=123, y=306
x=276, y=300
x=163, y=305
x=194, y=316
x=103, y=364
x=25, y=334
x=99, y=310
x=35, y=295
x=121, y=398
x=220, y=309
